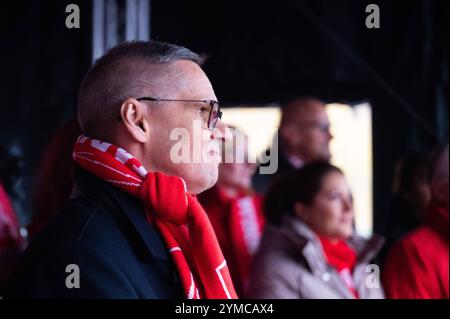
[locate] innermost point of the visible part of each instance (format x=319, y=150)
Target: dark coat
x=262, y=182
x=105, y=233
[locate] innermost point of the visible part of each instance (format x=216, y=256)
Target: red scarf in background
x=343, y=258
x=238, y=223
x=177, y=214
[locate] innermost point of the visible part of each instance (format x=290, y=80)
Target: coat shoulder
x=276, y=268
x=105, y=249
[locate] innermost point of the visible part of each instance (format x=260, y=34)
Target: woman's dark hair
x=300, y=186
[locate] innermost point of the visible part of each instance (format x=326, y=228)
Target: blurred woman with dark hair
x=309, y=250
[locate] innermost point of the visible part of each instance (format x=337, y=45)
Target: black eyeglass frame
x=211, y=103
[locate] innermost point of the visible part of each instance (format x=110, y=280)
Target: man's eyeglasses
x=214, y=113
x=322, y=126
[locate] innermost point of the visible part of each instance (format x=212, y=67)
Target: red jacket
x=418, y=265
x=238, y=223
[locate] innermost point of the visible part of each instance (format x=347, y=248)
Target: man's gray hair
x=131, y=69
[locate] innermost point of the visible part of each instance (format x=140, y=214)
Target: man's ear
x=134, y=117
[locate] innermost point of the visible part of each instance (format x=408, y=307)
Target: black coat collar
x=118, y=201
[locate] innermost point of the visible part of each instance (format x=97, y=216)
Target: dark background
x=259, y=52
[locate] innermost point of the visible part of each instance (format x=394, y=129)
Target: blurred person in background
x=417, y=267
x=411, y=194
x=234, y=210
x=11, y=241
x=54, y=178
x=309, y=249
x=304, y=137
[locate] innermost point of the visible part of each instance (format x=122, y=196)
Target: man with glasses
x=134, y=228
x=304, y=137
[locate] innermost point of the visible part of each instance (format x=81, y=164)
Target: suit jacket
x=104, y=234
x=262, y=182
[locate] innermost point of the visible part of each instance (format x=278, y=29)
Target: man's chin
x=208, y=181
x=327, y=155
x=212, y=180
x=324, y=157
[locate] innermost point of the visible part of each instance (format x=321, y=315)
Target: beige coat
x=290, y=264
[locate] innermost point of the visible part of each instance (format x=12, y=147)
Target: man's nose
x=327, y=132
x=330, y=136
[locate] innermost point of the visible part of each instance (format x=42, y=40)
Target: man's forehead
x=309, y=112
x=190, y=80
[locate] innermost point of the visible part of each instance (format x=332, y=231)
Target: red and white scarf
x=177, y=214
